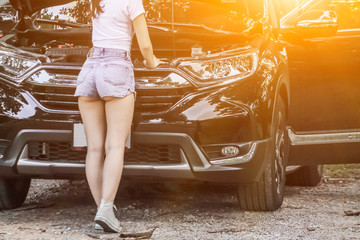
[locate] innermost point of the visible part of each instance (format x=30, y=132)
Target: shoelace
x=115, y=207
x=117, y=220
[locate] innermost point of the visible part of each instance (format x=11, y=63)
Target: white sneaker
x=105, y=217
x=98, y=227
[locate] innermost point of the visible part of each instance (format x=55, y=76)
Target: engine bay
x=65, y=52
x=65, y=45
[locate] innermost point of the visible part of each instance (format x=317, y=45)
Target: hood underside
x=29, y=7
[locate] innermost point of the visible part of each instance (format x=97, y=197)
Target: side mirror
x=317, y=23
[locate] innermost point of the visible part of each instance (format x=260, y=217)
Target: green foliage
x=343, y=170
x=45, y=14
x=80, y=12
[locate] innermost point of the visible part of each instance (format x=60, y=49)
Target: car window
x=348, y=13
x=283, y=7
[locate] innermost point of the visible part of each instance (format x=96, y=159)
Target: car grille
x=138, y=154
x=56, y=98
x=148, y=101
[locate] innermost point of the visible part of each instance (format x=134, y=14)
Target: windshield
x=225, y=15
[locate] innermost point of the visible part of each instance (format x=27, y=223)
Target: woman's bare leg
x=119, y=115
x=93, y=116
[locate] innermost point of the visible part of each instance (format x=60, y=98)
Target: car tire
x=307, y=176
x=267, y=194
x=13, y=192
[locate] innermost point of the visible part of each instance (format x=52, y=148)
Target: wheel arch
x=282, y=90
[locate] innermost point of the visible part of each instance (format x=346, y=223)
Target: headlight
x=223, y=69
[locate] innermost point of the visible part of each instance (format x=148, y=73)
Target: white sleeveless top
x=113, y=28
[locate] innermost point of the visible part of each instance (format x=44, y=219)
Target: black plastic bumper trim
x=194, y=164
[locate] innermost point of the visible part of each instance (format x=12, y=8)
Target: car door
x=324, y=117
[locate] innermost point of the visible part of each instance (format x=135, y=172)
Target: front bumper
x=193, y=165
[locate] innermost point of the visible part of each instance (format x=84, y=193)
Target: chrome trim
x=178, y=71
x=350, y=30
x=58, y=102
x=165, y=29
x=38, y=67
x=27, y=166
x=19, y=80
x=54, y=94
x=290, y=169
x=28, y=96
x=38, y=167
x=237, y=160
x=171, y=81
x=156, y=104
x=31, y=97
x=323, y=138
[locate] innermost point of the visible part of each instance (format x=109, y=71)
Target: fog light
x=230, y=151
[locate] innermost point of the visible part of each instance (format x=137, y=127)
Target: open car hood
x=28, y=7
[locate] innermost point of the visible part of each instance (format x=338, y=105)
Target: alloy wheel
x=279, y=154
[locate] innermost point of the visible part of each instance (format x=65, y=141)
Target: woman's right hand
x=143, y=39
x=152, y=64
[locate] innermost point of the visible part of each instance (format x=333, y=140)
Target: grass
x=342, y=171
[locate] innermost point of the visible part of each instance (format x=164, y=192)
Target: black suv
x=218, y=110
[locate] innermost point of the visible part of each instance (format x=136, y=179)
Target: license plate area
x=79, y=137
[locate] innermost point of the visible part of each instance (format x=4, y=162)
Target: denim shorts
x=107, y=72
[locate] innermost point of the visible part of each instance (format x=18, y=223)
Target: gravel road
x=64, y=209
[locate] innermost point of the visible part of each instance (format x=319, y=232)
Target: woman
x=106, y=91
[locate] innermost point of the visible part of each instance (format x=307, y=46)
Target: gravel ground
x=62, y=209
